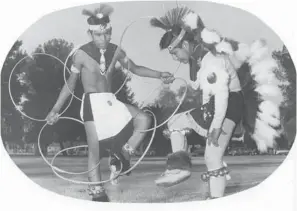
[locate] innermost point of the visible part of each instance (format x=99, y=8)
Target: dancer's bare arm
x=67, y=89
x=143, y=71
x=219, y=79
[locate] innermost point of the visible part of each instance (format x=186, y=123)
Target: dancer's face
x=181, y=53
x=101, y=40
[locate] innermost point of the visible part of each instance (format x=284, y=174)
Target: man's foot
x=125, y=157
x=115, y=165
x=211, y=197
x=172, y=177
x=98, y=194
x=115, y=169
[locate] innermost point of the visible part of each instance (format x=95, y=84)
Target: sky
x=141, y=41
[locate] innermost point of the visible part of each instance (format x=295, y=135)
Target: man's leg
x=97, y=191
x=179, y=162
x=214, y=161
x=178, y=141
x=141, y=121
x=177, y=126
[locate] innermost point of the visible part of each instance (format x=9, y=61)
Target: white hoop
x=9, y=88
x=56, y=169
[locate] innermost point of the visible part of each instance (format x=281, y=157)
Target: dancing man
x=106, y=120
x=233, y=83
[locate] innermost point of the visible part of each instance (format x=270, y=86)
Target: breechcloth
x=235, y=107
x=201, y=118
x=111, y=117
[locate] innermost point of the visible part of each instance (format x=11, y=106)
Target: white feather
x=224, y=47
x=269, y=119
x=264, y=135
x=99, y=15
x=259, y=51
x=210, y=36
x=265, y=66
x=266, y=78
x=258, y=44
x=269, y=113
x=267, y=89
x=277, y=100
x=191, y=20
x=243, y=52
x=266, y=132
x=270, y=108
x=270, y=92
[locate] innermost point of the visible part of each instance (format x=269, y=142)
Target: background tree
x=40, y=79
x=12, y=128
x=37, y=82
x=288, y=109
x=45, y=77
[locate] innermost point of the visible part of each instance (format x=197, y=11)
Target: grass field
x=246, y=172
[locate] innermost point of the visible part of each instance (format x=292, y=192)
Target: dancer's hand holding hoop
x=52, y=117
x=167, y=77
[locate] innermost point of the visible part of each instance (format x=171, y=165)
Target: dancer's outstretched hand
x=167, y=77
x=52, y=117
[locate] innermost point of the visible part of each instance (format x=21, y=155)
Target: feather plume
x=104, y=9
x=166, y=40
x=88, y=12
x=191, y=20
x=266, y=86
x=157, y=23
x=173, y=17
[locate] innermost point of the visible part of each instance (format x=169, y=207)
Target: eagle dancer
x=234, y=83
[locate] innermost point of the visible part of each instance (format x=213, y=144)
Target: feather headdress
x=178, y=23
x=99, y=18
x=182, y=23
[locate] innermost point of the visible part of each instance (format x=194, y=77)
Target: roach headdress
x=99, y=18
x=178, y=23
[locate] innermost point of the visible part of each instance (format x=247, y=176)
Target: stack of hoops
x=57, y=171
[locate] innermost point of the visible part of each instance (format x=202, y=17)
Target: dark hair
x=93, y=20
x=91, y=31
x=168, y=37
x=190, y=36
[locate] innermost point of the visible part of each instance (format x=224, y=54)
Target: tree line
x=38, y=80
